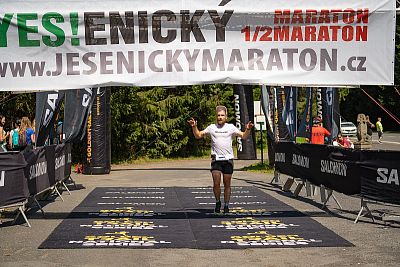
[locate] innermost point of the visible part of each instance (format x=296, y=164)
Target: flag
x=78, y=104
x=289, y=114
x=47, y=108
x=280, y=102
x=305, y=126
x=244, y=112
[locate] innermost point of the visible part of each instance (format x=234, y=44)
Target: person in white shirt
x=221, y=152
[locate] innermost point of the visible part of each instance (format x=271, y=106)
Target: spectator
x=3, y=134
x=23, y=135
x=370, y=125
x=318, y=133
x=379, y=129
x=59, y=132
x=13, y=137
x=34, y=132
x=29, y=132
x=343, y=141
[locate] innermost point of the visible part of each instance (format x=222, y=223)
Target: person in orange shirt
x=318, y=133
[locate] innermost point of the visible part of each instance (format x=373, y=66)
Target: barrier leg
x=65, y=186
x=308, y=188
x=38, y=204
x=72, y=181
x=364, y=206
x=58, y=193
x=288, y=184
x=276, y=178
x=359, y=214
x=315, y=191
x=322, y=194
x=337, y=201
x=330, y=194
x=298, y=189
x=21, y=211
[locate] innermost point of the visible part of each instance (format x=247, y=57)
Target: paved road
x=374, y=244
x=390, y=141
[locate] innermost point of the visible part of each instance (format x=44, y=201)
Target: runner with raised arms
x=221, y=152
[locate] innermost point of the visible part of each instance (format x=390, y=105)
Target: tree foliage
x=152, y=122
x=16, y=105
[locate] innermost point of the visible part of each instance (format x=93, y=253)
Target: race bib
x=220, y=157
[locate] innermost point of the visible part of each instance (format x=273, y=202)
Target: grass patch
x=258, y=167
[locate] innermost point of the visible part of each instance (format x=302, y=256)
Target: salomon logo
x=387, y=176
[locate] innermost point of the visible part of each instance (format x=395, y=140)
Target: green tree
x=152, y=122
x=16, y=105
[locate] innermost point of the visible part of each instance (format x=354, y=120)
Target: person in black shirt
x=370, y=125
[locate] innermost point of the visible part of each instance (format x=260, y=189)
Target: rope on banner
x=384, y=109
x=397, y=91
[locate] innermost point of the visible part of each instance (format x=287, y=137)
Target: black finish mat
x=183, y=217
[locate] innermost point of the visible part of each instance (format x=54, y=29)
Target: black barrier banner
x=78, y=104
x=289, y=114
x=334, y=167
x=244, y=112
x=47, y=107
x=13, y=186
x=305, y=126
x=98, y=140
x=380, y=176
x=60, y=162
x=328, y=109
x=40, y=169
x=68, y=163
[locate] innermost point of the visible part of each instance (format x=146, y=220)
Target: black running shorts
x=224, y=166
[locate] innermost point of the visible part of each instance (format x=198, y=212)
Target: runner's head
x=221, y=114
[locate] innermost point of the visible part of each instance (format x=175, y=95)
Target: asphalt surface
x=375, y=244
x=390, y=141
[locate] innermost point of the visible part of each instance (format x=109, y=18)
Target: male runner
x=221, y=152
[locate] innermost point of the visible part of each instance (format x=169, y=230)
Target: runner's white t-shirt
x=221, y=140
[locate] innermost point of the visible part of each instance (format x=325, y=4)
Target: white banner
x=64, y=44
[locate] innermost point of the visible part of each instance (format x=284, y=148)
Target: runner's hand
x=249, y=125
x=192, y=122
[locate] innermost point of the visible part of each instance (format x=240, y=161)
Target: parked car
x=348, y=128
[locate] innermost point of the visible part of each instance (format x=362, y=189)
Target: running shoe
x=226, y=209
x=217, y=207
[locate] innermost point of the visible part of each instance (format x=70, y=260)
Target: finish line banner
x=71, y=44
